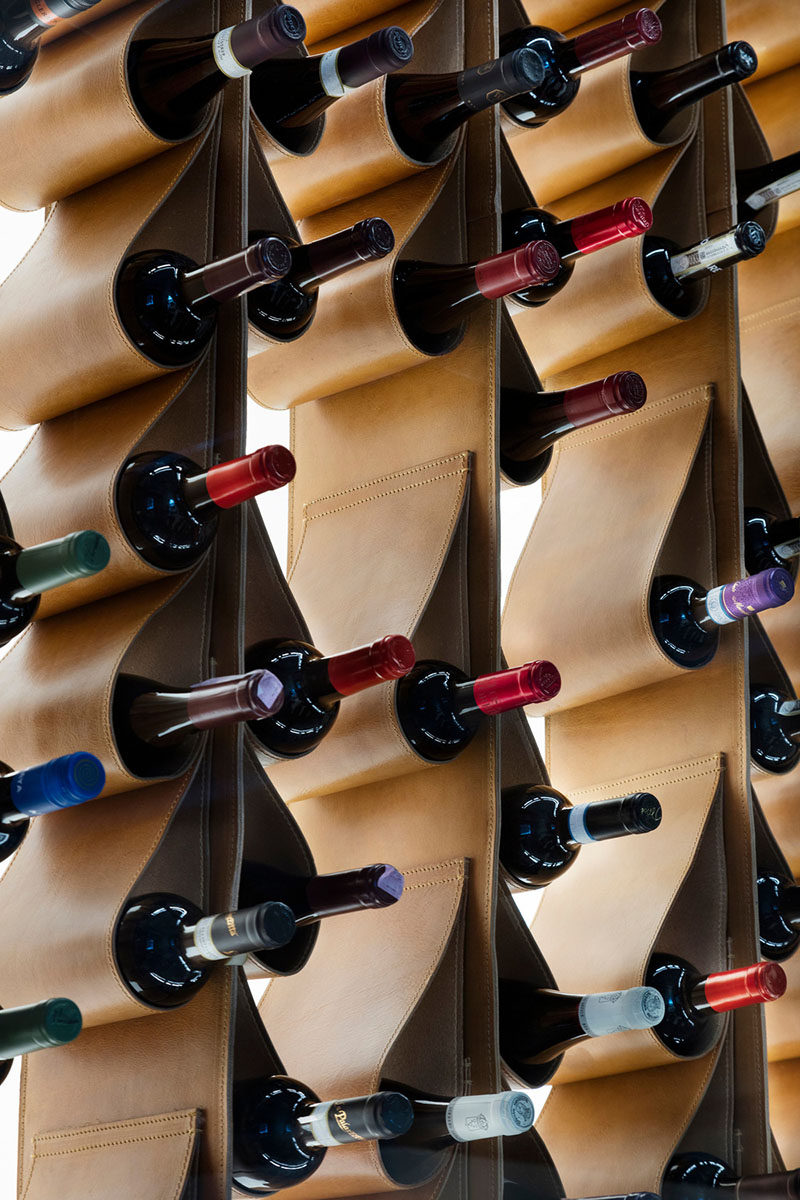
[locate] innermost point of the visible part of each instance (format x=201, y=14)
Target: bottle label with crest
x=602, y=1013
x=224, y=57
x=470, y=1118
x=337, y=1122
x=774, y=191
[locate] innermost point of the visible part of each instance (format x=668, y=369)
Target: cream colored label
x=203, y=940
x=789, y=549
x=781, y=187
x=705, y=257
x=224, y=57
x=716, y=609
x=577, y=825
x=329, y=75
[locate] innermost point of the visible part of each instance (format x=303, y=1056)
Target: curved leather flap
x=751, y=149
x=784, y=1088
x=772, y=99
x=519, y=958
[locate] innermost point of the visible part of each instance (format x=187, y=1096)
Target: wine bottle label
x=329, y=75
x=203, y=937
x=789, y=708
x=490, y=83
x=43, y=14
x=614, y=1012
x=781, y=187
x=576, y=823
x=336, y=1122
x=224, y=57
x=716, y=609
x=707, y=256
x=788, y=549
x=469, y=1118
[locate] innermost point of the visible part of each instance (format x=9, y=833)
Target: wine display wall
x=394, y=529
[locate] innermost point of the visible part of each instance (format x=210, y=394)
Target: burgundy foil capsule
x=533, y=683
x=390, y=657
x=762, y=982
x=264, y=470
x=627, y=218
x=218, y=701
x=525, y=266
x=637, y=29
x=623, y=392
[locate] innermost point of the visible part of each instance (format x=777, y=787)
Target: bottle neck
x=164, y=716
x=531, y=424
x=614, y=40
x=315, y=262
x=24, y=21
x=740, y=987
x=208, y=286
x=246, y=931
x=350, y=891
x=759, y=186
x=670, y=92
x=501, y=691
x=603, y=819
x=362, y=1118
x=41, y=568
x=716, y=253
x=240, y=479
x=38, y=1026
x=328, y=680
x=784, y=537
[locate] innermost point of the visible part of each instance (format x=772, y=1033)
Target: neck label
x=329, y=76
x=224, y=57
x=43, y=14
x=781, y=187
x=336, y=1122
x=577, y=825
x=716, y=609
x=204, y=940
x=788, y=549
x=602, y=1013
x=709, y=255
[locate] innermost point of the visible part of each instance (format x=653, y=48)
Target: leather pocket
x=75, y=122
x=597, y=484
x=142, y=1158
x=520, y=959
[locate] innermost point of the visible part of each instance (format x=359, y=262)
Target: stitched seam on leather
x=130, y=1123
x=462, y=456
x=680, y=772
x=150, y=1137
x=771, y=315
x=382, y=495
x=702, y=391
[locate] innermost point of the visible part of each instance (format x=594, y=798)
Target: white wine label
x=204, y=941
x=716, y=609
x=614, y=1012
x=789, y=549
x=224, y=57
x=705, y=256
x=501, y=1115
x=318, y=1124
x=577, y=825
x=329, y=75
x=781, y=187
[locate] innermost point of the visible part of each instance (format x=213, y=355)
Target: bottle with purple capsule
x=59, y=783
x=313, y=898
x=686, y=618
x=774, y=729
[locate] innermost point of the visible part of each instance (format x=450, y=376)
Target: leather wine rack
x=394, y=528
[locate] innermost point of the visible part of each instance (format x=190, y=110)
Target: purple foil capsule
x=735, y=601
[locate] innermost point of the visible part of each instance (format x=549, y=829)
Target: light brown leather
x=784, y=1088
x=772, y=100
x=75, y=24
x=775, y=39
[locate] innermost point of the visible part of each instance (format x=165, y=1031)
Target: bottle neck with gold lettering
x=166, y=947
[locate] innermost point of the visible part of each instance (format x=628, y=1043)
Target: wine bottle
x=538, y=1025
x=289, y=94
x=565, y=60
x=532, y=422
x=169, y=507
x=25, y=574
x=671, y=272
x=700, y=1176
x=174, y=80
x=694, y=1003
x=686, y=619
x=440, y=709
x=441, y=1122
x=768, y=540
x=658, y=96
x=166, y=948
x=756, y=187
x=281, y=1129
x=778, y=915
x=433, y=300
x=312, y=898
x=36, y=1027
x=774, y=729
x=423, y=111
x=168, y=304
x=157, y=727
x=573, y=238
x=21, y=26
x=285, y=309
x=541, y=832
x=314, y=687
x=59, y=783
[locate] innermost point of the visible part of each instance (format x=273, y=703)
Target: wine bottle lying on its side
x=756, y=187
x=658, y=96
x=695, y=1175
x=60, y=783
x=313, y=898
x=21, y=27
x=36, y=1027
x=774, y=729
x=769, y=541
x=26, y=573
x=671, y=272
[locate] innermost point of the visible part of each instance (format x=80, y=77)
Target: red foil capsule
x=389, y=658
x=616, y=38
x=533, y=683
x=623, y=392
x=743, y=986
x=627, y=218
x=525, y=266
x=264, y=470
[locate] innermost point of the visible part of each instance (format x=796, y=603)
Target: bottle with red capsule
x=695, y=1002
x=440, y=708
x=169, y=507
x=532, y=422
x=314, y=687
x=434, y=300
x=567, y=59
x=572, y=239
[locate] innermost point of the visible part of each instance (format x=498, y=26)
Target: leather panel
x=772, y=100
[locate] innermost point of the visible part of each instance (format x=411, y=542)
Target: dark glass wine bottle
x=686, y=619
x=166, y=947
x=25, y=574
x=565, y=60
x=573, y=238
x=440, y=709
x=695, y=1175
x=423, y=111
x=532, y=422
x=768, y=540
x=670, y=272
x=36, y=1027
x=313, y=898
x=778, y=915
x=541, y=832
x=658, y=96
x=434, y=300
x=169, y=507
x=694, y=1003
x=285, y=309
x=157, y=727
x=756, y=187
x=289, y=94
x=774, y=729
x=441, y=1122
x=168, y=304
x=281, y=1129
x=174, y=80
x=538, y=1025
x=59, y=783
x=21, y=26
x=314, y=687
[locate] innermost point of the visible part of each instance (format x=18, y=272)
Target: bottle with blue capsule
x=778, y=915
x=60, y=783
x=542, y=833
